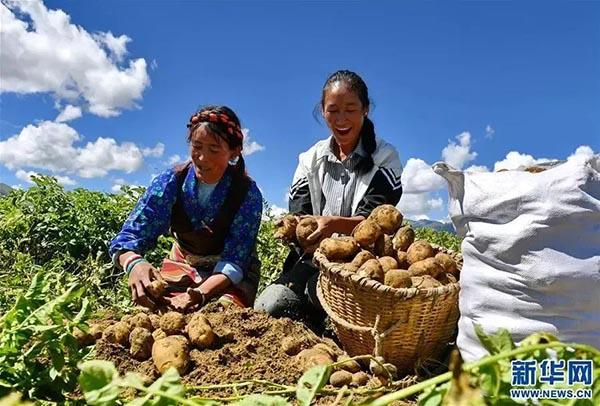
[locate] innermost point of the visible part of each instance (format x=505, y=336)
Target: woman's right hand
x=140, y=277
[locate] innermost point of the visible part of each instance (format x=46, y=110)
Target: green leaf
x=262, y=400
x=495, y=343
x=98, y=382
x=311, y=382
x=433, y=396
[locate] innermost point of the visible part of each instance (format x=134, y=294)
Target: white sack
x=531, y=251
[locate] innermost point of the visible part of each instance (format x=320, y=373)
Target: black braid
x=367, y=132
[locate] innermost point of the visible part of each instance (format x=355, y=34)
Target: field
x=56, y=280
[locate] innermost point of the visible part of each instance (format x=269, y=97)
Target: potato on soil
x=402, y=258
x=127, y=318
x=326, y=349
x=446, y=262
x=118, y=333
x=140, y=342
x=305, y=228
x=349, y=365
x=388, y=263
x=398, y=278
x=360, y=378
x=418, y=251
x=200, y=331
x=384, y=247
x=424, y=282
x=403, y=238
x=158, y=334
x=141, y=320
x=172, y=323
x=446, y=278
x=340, y=378
x=96, y=330
x=311, y=357
x=155, y=320
x=170, y=352
x=387, y=217
x=286, y=228
x=83, y=339
x=338, y=249
x=372, y=269
x=292, y=345
x=157, y=288
x=428, y=266
x=362, y=257
x=366, y=233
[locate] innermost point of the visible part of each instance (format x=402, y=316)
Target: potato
x=388, y=263
x=305, y=228
x=384, y=247
x=157, y=288
x=292, y=345
x=402, y=258
x=362, y=257
x=83, y=339
x=118, y=333
x=371, y=269
x=446, y=262
x=366, y=233
x=418, y=251
x=338, y=249
x=360, y=378
x=398, y=278
x=376, y=368
x=172, y=323
x=155, y=320
x=428, y=266
x=96, y=330
x=340, y=378
x=141, y=320
x=127, y=318
x=286, y=228
x=170, y=352
x=326, y=349
x=200, y=331
x=311, y=357
x=158, y=334
x=140, y=341
x=387, y=217
x=446, y=278
x=403, y=238
x=424, y=282
x=349, y=365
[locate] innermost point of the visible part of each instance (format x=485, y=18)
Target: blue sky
x=483, y=85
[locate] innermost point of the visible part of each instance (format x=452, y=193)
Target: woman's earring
x=234, y=161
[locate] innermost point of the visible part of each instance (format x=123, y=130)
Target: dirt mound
x=249, y=345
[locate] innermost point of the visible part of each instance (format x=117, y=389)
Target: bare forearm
x=215, y=284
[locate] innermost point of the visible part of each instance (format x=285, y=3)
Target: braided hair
x=367, y=132
x=225, y=124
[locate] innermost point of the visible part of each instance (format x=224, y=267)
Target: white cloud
x=250, y=147
x=51, y=146
x=69, y=113
x=26, y=176
x=418, y=177
x=413, y=205
x=489, y=131
x=174, y=159
x=421, y=217
x=477, y=168
x=117, y=185
x=42, y=51
x=515, y=160
x=584, y=151
x=457, y=155
x=277, y=211
x=155, y=152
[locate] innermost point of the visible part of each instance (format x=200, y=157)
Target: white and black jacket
x=381, y=185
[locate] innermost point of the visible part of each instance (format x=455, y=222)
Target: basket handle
x=377, y=336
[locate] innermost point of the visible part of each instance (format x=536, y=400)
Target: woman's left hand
x=186, y=302
x=326, y=225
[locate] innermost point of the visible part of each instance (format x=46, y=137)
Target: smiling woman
x=212, y=209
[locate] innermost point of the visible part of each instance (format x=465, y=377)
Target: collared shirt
x=339, y=182
x=151, y=218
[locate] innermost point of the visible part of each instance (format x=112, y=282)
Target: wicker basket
x=408, y=327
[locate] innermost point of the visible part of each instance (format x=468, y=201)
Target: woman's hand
x=190, y=301
x=326, y=225
x=140, y=277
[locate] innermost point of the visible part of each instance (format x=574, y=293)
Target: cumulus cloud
x=489, y=131
x=515, y=160
x=477, y=168
x=69, y=113
x=174, y=159
x=415, y=205
x=457, y=155
x=583, y=151
x=26, y=176
x=51, y=146
x=43, y=52
x=250, y=147
x=155, y=152
x=418, y=177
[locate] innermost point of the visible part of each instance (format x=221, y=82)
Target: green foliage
x=38, y=352
x=311, y=382
x=271, y=251
x=442, y=238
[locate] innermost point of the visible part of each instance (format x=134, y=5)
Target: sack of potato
x=387, y=294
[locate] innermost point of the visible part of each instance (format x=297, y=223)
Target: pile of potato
x=167, y=338
x=382, y=249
